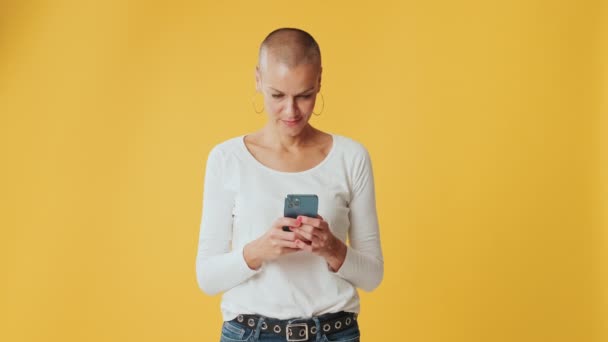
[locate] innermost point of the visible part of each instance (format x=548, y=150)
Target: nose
x=292, y=106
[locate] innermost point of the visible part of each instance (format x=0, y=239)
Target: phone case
x=300, y=204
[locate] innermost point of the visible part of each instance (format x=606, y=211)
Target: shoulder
x=352, y=148
x=356, y=159
x=226, y=147
x=225, y=154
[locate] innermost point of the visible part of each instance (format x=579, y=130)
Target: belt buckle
x=288, y=330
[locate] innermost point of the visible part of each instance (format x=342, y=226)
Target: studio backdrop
x=485, y=122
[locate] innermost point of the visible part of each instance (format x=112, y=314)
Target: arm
x=218, y=268
x=363, y=264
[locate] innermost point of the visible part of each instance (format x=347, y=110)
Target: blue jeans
x=234, y=332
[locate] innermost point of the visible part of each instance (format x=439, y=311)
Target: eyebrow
x=296, y=94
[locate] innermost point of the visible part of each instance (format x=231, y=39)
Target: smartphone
x=300, y=204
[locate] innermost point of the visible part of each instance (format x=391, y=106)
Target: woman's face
x=289, y=94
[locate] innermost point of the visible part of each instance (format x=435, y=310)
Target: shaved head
x=289, y=46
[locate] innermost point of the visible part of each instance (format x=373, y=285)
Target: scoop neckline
x=259, y=164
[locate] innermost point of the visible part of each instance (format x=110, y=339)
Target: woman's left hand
x=322, y=241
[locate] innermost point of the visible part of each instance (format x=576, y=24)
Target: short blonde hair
x=290, y=46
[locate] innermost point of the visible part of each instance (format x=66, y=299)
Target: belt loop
x=258, y=328
x=318, y=325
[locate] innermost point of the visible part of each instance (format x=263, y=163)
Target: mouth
x=292, y=122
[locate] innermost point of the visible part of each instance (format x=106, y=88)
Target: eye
x=306, y=96
x=276, y=96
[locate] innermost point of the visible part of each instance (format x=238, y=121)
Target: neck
x=274, y=137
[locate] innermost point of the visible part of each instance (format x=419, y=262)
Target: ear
x=258, y=79
x=320, y=72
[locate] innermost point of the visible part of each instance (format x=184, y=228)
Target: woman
x=297, y=285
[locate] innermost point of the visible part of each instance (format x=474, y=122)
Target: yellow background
x=486, y=123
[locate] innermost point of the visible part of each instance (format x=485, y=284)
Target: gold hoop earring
x=322, y=107
x=253, y=103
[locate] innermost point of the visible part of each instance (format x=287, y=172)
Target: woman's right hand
x=274, y=243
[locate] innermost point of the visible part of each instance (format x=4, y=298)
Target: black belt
x=302, y=329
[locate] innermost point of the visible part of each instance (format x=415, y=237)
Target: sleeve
x=218, y=268
x=363, y=265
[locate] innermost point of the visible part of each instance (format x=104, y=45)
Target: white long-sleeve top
x=242, y=198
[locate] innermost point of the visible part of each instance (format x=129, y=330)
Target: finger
x=283, y=235
x=287, y=244
x=322, y=223
x=290, y=250
x=307, y=228
x=318, y=232
x=293, y=236
x=305, y=247
x=312, y=221
x=286, y=222
x=299, y=235
x=301, y=232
